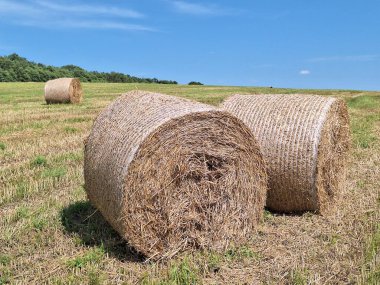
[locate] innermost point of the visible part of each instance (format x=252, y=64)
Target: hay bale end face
x=63, y=90
x=304, y=140
x=170, y=174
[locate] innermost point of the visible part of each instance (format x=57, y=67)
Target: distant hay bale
x=170, y=174
x=304, y=140
x=63, y=90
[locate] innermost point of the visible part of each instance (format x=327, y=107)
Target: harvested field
x=50, y=233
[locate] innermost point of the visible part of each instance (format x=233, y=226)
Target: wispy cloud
x=87, y=24
x=304, y=72
x=12, y=8
x=99, y=10
x=365, y=57
x=199, y=9
x=49, y=15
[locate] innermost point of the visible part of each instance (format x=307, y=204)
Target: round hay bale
x=63, y=90
x=304, y=140
x=170, y=174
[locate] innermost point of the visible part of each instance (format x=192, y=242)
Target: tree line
x=14, y=68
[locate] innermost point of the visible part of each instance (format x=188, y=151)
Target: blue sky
x=280, y=43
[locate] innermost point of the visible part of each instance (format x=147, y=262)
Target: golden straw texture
x=63, y=90
x=304, y=140
x=170, y=174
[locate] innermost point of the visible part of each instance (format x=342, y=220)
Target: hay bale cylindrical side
x=170, y=174
x=304, y=140
x=63, y=90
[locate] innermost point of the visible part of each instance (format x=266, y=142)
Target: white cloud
x=107, y=25
x=86, y=24
x=304, y=72
x=44, y=14
x=87, y=9
x=364, y=57
x=198, y=9
x=12, y=8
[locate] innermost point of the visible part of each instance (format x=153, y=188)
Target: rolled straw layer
x=170, y=174
x=63, y=90
x=304, y=140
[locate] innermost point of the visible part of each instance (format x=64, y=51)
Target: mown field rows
x=49, y=233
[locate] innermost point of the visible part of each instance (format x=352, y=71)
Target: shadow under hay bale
x=305, y=141
x=171, y=174
x=63, y=90
x=84, y=220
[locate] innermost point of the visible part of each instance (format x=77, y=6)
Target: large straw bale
x=304, y=140
x=63, y=90
x=170, y=174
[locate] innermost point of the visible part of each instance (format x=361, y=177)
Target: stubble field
x=50, y=234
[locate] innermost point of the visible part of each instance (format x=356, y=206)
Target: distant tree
x=12, y=76
x=71, y=67
x=16, y=57
x=16, y=68
x=5, y=76
x=115, y=77
x=22, y=75
x=167, y=82
x=5, y=63
x=195, y=83
x=33, y=74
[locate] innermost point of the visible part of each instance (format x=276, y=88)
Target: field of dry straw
x=49, y=233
